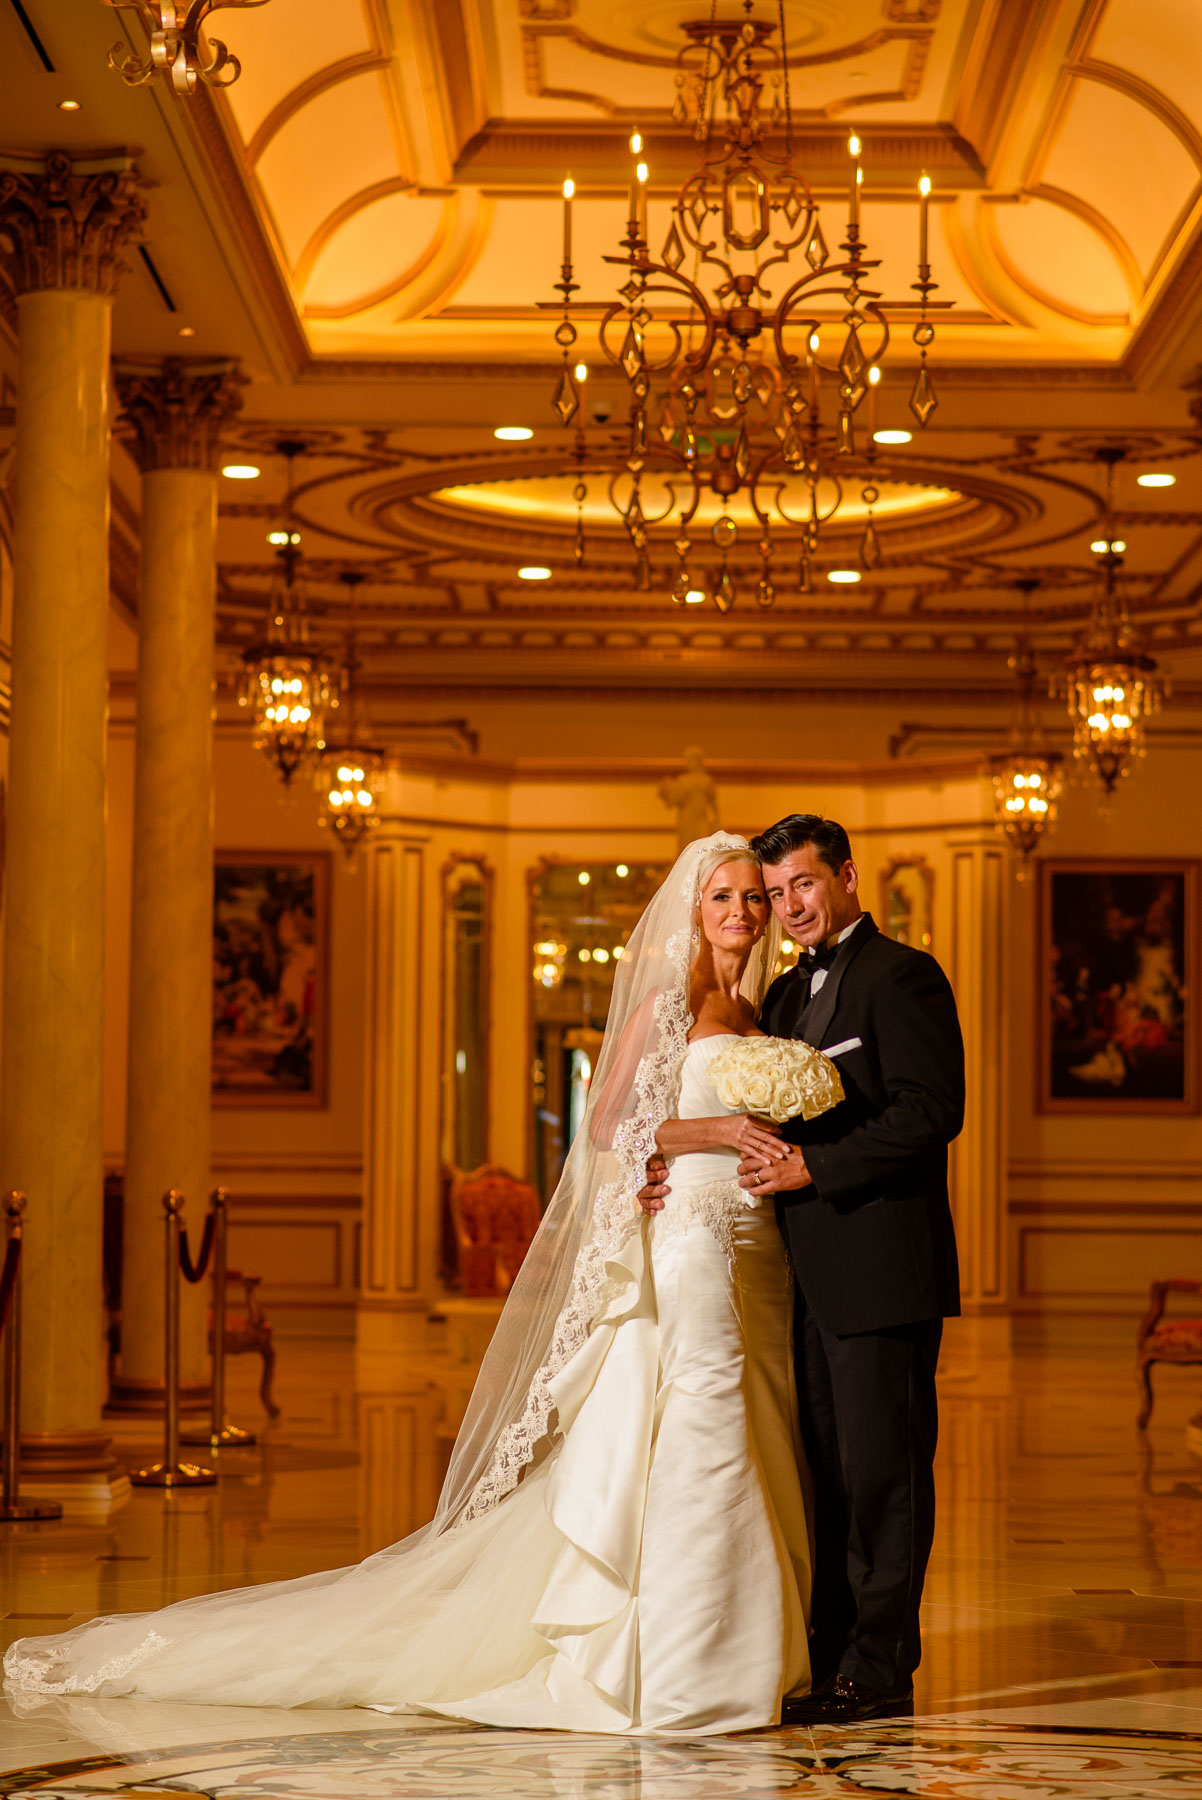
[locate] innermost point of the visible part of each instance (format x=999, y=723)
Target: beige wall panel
x=1109, y=1264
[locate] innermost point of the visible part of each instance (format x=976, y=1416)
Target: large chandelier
x=1027, y=777
x=178, y=51
x=350, y=773
x=289, y=683
x=1111, y=683
x=739, y=389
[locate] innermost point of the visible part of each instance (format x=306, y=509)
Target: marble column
x=176, y=410
x=62, y=227
x=980, y=877
x=400, y=1172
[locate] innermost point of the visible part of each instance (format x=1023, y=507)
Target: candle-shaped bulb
x=641, y=171
x=853, y=145
x=924, y=186
x=813, y=346
x=581, y=371
x=924, y=196
x=636, y=142
x=569, y=188
x=874, y=374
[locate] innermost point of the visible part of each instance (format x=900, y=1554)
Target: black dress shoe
x=844, y=1701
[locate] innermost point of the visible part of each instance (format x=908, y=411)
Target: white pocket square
x=838, y=1049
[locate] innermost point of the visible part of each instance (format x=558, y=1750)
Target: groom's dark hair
x=795, y=832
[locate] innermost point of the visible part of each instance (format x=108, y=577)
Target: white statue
x=695, y=798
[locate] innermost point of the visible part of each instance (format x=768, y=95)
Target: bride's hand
x=754, y=1139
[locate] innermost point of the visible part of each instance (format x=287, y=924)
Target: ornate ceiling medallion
x=177, y=50
x=738, y=386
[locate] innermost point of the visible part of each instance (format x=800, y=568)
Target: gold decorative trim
x=64, y=221
x=1145, y=95
x=333, y=221
x=297, y=98
x=177, y=408
x=1111, y=235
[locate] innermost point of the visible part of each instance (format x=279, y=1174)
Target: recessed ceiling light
x=513, y=434
x=843, y=575
x=187, y=331
x=68, y=106
x=535, y=574
x=892, y=437
x=1157, y=479
x=240, y=471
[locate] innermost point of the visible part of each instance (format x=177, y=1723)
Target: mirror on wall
x=908, y=901
x=581, y=915
x=467, y=884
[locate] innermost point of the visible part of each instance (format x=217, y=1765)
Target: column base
x=469, y=1327
x=130, y=1396
x=76, y=1468
x=389, y=1335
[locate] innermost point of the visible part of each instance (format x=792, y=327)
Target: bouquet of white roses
x=779, y=1078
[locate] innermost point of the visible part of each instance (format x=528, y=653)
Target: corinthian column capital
x=178, y=408
x=64, y=221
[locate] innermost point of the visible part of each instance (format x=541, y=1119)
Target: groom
x=863, y=1205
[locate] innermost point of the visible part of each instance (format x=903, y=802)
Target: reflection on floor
x=1063, y=1629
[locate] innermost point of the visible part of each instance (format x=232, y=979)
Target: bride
x=621, y=1542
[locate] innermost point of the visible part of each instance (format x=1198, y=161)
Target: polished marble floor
x=1062, y=1630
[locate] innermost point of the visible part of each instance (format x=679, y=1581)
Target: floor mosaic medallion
x=938, y=1760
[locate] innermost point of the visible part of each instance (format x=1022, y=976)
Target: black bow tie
x=822, y=957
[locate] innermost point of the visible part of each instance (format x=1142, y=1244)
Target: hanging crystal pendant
x=673, y=252
x=724, y=592
x=566, y=399
x=870, y=548
x=816, y=250
x=922, y=398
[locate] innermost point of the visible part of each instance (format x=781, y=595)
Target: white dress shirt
x=820, y=975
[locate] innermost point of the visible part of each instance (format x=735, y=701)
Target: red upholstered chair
x=494, y=1216
x=249, y=1331
x=1165, y=1340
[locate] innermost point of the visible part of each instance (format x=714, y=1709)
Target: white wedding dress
x=652, y=1575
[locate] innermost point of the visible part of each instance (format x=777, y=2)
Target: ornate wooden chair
x=249, y=1331
x=1165, y=1340
x=494, y=1217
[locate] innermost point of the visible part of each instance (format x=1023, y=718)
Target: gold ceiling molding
x=1111, y=236
x=213, y=133
x=524, y=152
x=537, y=30
x=1147, y=96
x=355, y=203
x=321, y=80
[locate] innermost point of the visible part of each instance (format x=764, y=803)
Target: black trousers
x=869, y=1424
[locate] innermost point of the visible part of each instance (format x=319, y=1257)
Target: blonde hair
x=761, y=964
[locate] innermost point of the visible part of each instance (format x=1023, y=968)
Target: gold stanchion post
x=219, y=1435
x=171, y=1472
x=12, y=1508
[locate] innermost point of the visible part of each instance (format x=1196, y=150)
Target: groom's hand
x=652, y=1196
x=780, y=1177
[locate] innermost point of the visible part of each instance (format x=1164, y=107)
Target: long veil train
x=410, y=1615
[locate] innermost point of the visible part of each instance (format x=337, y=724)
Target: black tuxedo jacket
x=872, y=1241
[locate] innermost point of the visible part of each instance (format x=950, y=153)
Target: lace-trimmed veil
x=561, y=1285
x=559, y=1291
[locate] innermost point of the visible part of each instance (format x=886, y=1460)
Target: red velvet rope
x=8, y=1278
x=196, y=1271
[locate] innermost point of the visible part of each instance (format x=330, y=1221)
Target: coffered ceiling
x=370, y=219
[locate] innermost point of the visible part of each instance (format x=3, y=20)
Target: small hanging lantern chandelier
x=1027, y=777
x=289, y=684
x=349, y=775
x=1111, y=684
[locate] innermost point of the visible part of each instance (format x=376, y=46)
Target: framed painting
x=1118, y=954
x=270, y=977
